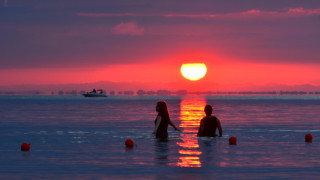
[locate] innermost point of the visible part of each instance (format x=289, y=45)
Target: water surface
x=83, y=138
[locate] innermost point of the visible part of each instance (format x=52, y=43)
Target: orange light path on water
x=191, y=113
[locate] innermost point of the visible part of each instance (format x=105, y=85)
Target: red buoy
x=129, y=143
x=232, y=140
x=25, y=147
x=308, y=138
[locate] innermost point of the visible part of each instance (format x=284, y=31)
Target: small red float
x=232, y=140
x=129, y=143
x=25, y=147
x=308, y=138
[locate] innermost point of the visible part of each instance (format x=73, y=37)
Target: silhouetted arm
x=219, y=128
x=157, y=125
x=175, y=128
x=200, y=131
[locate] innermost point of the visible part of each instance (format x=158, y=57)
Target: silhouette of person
x=209, y=124
x=94, y=91
x=162, y=121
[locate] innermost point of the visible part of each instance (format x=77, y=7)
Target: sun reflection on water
x=191, y=113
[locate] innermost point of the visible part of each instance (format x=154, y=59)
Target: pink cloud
x=303, y=11
x=108, y=14
x=258, y=14
x=130, y=28
x=190, y=15
x=252, y=13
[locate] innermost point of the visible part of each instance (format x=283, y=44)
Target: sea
x=74, y=137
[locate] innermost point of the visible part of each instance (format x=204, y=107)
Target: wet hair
x=208, y=110
x=162, y=108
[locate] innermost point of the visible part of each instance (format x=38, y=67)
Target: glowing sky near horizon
x=240, y=41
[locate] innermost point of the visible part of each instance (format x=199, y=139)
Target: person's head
x=208, y=110
x=162, y=108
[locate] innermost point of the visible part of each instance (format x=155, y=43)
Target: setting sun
x=193, y=71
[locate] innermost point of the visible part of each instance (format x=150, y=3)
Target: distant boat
x=95, y=93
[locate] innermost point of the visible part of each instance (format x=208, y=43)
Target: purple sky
x=37, y=34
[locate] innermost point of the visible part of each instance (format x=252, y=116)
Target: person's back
x=209, y=124
x=162, y=130
x=162, y=121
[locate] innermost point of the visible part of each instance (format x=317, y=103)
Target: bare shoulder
x=216, y=118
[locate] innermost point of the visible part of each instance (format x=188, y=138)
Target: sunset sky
x=242, y=42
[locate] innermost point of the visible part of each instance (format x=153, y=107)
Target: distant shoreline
x=165, y=93
x=171, y=97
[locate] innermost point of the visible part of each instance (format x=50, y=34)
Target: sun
x=193, y=71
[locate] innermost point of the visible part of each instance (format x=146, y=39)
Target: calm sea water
x=83, y=138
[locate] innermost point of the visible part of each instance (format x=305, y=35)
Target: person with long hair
x=209, y=124
x=162, y=121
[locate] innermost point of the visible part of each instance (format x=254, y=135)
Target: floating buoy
x=25, y=147
x=129, y=143
x=308, y=138
x=232, y=140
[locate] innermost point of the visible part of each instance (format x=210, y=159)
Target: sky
x=242, y=42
